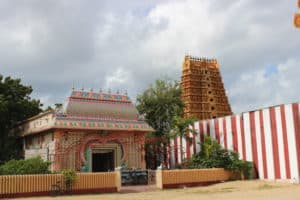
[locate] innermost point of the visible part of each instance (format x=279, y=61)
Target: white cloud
x=127, y=45
x=117, y=79
x=255, y=90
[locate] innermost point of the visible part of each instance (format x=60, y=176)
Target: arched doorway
x=101, y=156
x=103, y=160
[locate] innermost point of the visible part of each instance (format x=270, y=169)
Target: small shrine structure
x=92, y=132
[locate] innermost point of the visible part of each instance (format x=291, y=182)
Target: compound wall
x=269, y=137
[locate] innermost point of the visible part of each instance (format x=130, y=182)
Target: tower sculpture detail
x=203, y=92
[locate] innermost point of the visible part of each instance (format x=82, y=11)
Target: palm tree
x=181, y=127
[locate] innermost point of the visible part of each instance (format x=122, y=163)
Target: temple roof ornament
x=88, y=111
x=99, y=105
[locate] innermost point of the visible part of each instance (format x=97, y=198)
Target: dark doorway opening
x=103, y=162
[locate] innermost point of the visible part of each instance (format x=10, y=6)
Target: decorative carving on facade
x=203, y=92
x=91, y=132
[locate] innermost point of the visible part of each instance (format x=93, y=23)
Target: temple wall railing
x=190, y=177
x=42, y=184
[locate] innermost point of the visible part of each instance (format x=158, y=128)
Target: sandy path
x=238, y=190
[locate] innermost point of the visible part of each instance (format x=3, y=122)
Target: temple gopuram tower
x=203, y=92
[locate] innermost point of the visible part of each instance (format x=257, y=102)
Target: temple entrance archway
x=103, y=161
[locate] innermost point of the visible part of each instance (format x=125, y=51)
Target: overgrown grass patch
x=266, y=186
x=213, y=191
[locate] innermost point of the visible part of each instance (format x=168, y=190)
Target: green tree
x=159, y=104
x=15, y=106
x=180, y=127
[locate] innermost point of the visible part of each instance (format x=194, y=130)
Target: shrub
x=29, y=166
x=213, y=155
x=69, y=177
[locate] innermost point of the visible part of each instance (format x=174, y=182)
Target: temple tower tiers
x=203, y=92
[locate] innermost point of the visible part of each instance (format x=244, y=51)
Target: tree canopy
x=15, y=106
x=159, y=104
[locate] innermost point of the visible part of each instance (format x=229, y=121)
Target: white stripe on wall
x=172, y=150
x=280, y=143
x=259, y=149
x=268, y=141
x=184, y=147
x=247, y=137
x=229, y=133
x=197, y=129
x=239, y=136
x=221, y=132
x=204, y=127
x=291, y=142
x=179, y=150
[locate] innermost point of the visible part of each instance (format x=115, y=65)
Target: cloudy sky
x=126, y=45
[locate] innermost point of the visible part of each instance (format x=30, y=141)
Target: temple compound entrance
x=103, y=161
x=92, y=132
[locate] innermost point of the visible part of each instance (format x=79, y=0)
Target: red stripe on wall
x=208, y=128
x=234, y=134
x=297, y=131
x=225, y=133
x=285, y=142
x=253, y=139
x=263, y=144
x=243, y=137
x=217, y=132
x=176, y=150
x=181, y=149
x=275, y=143
x=201, y=130
x=194, y=139
x=188, y=144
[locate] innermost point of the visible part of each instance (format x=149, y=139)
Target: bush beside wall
x=213, y=155
x=29, y=166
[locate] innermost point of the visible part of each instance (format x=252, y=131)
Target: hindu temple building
x=268, y=137
x=92, y=132
x=203, y=92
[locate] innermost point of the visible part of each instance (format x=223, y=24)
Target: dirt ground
x=238, y=190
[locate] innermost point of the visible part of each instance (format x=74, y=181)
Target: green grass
x=266, y=187
x=213, y=191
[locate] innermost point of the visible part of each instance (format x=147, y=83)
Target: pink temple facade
x=269, y=137
x=92, y=132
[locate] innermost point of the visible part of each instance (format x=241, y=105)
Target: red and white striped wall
x=269, y=137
